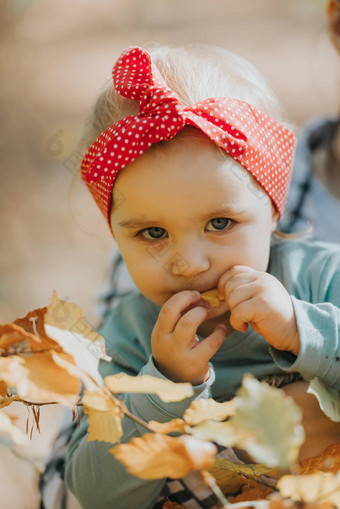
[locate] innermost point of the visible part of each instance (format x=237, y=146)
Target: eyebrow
x=225, y=212
x=135, y=223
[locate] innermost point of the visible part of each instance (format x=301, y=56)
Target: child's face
x=187, y=213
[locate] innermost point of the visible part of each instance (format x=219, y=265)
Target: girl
x=191, y=171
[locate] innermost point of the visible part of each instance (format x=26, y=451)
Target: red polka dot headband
x=260, y=144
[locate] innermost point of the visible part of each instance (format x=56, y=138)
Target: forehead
x=189, y=167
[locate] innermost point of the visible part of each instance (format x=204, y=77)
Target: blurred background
x=54, y=58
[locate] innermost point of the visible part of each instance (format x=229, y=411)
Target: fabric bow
x=259, y=143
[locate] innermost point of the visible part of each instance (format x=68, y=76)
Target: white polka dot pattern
x=260, y=144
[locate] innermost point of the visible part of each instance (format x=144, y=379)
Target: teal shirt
x=311, y=274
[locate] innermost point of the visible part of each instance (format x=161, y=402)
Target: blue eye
x=218, y=224
x=153, y=233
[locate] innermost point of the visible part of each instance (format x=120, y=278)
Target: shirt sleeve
x=92, y=473
x=318, y=324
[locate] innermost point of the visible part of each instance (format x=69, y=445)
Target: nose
x=189, y=261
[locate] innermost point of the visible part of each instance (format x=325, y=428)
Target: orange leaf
x=328, y=461
x=33, y=323
x=167, y=427
x=12, y=334
x=3, y=389
x=284, y=503
x=37, y=378
x=104, y=417
x=155, y=456
x=172, y=505
x=252, y=492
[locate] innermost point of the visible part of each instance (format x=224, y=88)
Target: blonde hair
x=195, y=73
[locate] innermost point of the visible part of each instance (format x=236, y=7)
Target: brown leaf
x=34, y=324
x=328, y=461
x=104, y=417
x=252, y=491
x=167, y=427
x=172, y=505
x=155, y=456
x=13, y=337
x=67, y=362
x=3, y=389
x=37, y=378
x=68, y=316
x=283, y=503
x=229, y=476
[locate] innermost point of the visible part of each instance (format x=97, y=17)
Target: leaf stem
x=210, y=481
x=133, y=417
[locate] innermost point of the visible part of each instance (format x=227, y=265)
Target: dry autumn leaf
x=202, y=409
x=66, y=362
x=104, y=417
x=176, y=425
x=268, y=424
x=172, y=505
x=34, y=324
x=277, y=502
x=228, y=479
x=265, y=422
x=156, y=456
x=3, y=389
x=319, y=487
x=328, y=461
x=37, y=378
x=68, y=316
x=165, y=389
x=222, y=433
x=252, y=492
x=14, y=338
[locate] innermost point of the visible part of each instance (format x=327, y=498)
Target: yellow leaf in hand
x=211, y=297
x=165, y=389
x=104, y=417
x=155, y=456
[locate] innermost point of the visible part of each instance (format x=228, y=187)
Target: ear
x=333, y=19
x=275, y=218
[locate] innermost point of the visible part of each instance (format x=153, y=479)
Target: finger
x=230, y=275
x=240, y=293
x=211, y=344
x=242, y=315
x=186, y=328
x=172, y=310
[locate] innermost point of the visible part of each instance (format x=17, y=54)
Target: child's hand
x=260, y=300
x=177, y=352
